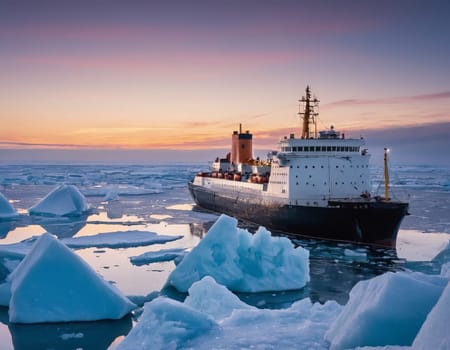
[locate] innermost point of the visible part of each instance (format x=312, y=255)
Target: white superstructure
x=313, y=171
x=309, y=170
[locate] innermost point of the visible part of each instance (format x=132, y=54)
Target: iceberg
x=6, y=209
x=65, y=200
x=386, y=310
x=434, y=333
x=166, y=324
x=212, y=317
x=243, y=262
x=53, y=284
x=213, y=299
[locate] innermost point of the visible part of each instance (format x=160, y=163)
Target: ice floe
x=114, y=240
x=434, y=333
x=53, y=284
x=7, y=211
x=214, y=318
x=166, y=324
x=202, y=293
x=386, y=310
x=158, y=256
x=113, y=192
x=65, y=200
x=243, y=262
x=119, y=239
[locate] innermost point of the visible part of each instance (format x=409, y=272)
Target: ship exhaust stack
x=241, y=146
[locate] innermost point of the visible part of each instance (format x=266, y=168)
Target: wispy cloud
x=22, y=144
x=393, y=100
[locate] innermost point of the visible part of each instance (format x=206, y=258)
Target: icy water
x=155, y=198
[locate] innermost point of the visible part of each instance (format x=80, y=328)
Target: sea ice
x=118, y=239
x=214, y=318
x=445, y=270
x=243, y=262
x=434, y=333
x=213, y=299
x=65, y=200
x=166, y=324
x=386, y=310
x=158, y=256
x=53, y=284
x=7, y=211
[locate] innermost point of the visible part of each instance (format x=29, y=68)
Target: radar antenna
x=308, y=112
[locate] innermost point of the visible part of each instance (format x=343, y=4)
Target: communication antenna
x=309, y=110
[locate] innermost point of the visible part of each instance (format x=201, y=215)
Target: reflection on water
x=65, y=229
x=73, y=335
x=6, y=226
x=60, y=226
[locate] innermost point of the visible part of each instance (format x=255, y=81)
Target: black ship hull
x=361, y=221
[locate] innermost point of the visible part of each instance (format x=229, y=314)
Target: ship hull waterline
x=374, y=223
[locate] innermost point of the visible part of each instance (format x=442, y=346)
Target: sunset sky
x=105, y=75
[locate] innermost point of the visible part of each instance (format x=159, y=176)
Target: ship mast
x=309, y=114
x=386, y=175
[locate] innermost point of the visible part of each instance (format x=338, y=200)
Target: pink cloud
x=392, y=100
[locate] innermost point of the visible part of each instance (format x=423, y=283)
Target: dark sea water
x=155, y=198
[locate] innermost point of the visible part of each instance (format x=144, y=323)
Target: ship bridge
x=318, y=167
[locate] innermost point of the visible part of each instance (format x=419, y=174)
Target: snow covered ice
x=434, y=333
x=7, y=211
x=53, y=284
x=65, y=200
x=243, y=262
x=386, y=310
x=213, y=318
x=121, y=239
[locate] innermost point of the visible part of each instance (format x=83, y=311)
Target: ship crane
x=309, y=114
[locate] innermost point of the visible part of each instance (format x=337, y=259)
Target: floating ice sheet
x=158, y=256
x=119, y=239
